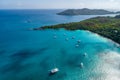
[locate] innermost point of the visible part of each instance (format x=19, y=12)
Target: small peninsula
x=86, y=11
x=105, y=26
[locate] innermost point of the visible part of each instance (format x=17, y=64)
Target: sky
x=60, y=4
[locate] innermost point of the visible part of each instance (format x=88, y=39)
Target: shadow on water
x=58, y=76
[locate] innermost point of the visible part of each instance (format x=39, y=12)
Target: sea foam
x=109, y=66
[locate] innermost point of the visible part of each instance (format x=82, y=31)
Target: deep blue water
x=29, y=55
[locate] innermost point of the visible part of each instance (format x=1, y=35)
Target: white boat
x=76, y=45
x=81, y=65
x=53, y=71
x=64, y=34
x=78, y=41
x=85, y=54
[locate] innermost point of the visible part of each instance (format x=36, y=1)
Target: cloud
x=112, y=0
x=19, y=4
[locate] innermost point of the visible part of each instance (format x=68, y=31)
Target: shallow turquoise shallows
x=30, y=55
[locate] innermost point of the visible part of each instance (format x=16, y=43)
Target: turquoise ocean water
x=29, y=55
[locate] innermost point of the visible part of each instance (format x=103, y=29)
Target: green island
x=105, y=26
x=86, y=11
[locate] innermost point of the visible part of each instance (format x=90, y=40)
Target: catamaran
x=53, y=71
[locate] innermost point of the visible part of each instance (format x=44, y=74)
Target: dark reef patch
x=24, y=54
x=14, y=66
x=15, y=63
x=63, y=51
x=41, y=50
